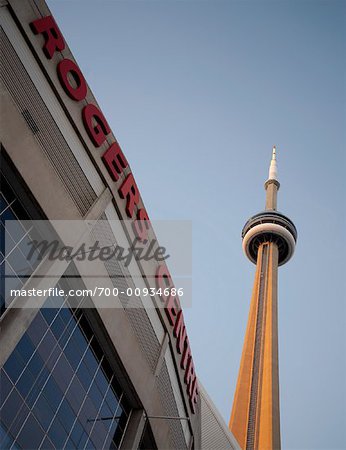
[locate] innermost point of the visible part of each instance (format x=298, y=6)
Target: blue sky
x=197, y=92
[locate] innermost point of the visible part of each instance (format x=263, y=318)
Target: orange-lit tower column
x=268, y=241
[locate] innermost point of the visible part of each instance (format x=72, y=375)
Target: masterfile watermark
x=53, y=250
x=64, y=262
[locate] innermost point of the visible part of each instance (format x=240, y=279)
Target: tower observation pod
x=269, y=239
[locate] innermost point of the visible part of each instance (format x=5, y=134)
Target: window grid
x=113, y=421
x=36, y=349
x=64, y=396
x=99, y=410
x=83, y=402
x=40, y=373
x=77, y=316
x=11, y=208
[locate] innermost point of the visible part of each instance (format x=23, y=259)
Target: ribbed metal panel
x=121, y=279
x=43, y=126
x=177, y=438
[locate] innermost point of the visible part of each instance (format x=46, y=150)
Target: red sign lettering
x=129, y=191
x=65, y=67
x=97, y=132
x=141, y=226
x=176, y=319
x=115, y=162
x=51, y=33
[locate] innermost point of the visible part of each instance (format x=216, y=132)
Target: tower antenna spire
x=272, y=185
x=273, y=168
x=274, y=152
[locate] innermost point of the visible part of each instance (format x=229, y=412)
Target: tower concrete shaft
x=268, y=241
x=255, y=419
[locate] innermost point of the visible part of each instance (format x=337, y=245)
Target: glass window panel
x=80, y=340
x=5, y=386
x=25, y=383
x=73, y=354
x=31, y=434
x=7, y=243
x=47, y=345
x=65, y=337
x=88, y=414
x=25, y=348
x=62, y=373
x=90, y=445
x=102, y=382
x=66, y=415
x=112, y=400
x=99, y=434
x=75, y=394
x=37, y=328
x=52, y=393
x=43, y=412
x=15, y=229
x=49, y=313
x=90, y=361
x=57, y=434
x=47, y=444
x=18, y=263
x=14, y=366
x=57, y=327
x=65, y=315
x=105, y=411
x=20, y=418
x=70, y=445
x=37, y=387
x=8, y=214
x=95, y=395
x=78, y=435
x=118, y=431
x=53, y=357
x=84, y=376
x=6, y=439
x=35, y=365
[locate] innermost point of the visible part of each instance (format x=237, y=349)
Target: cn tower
x=269, y=240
